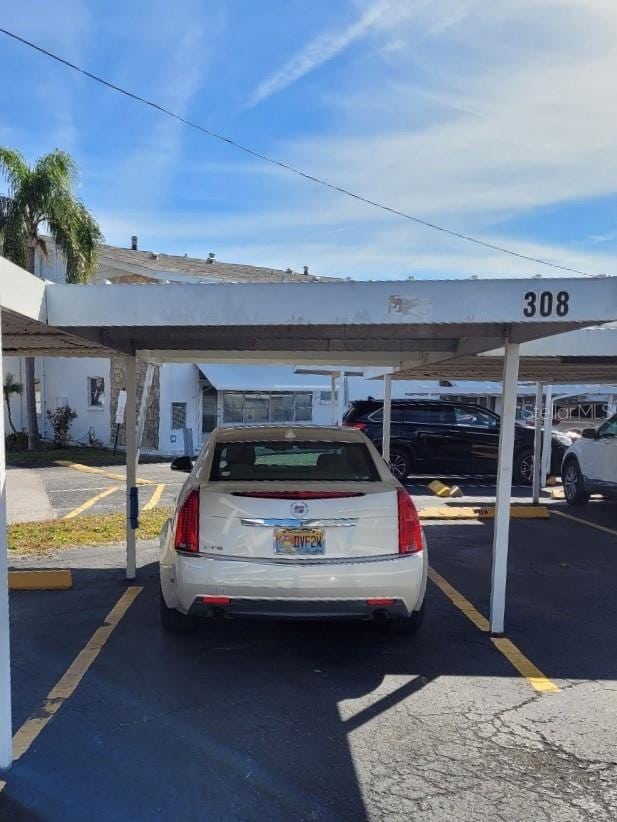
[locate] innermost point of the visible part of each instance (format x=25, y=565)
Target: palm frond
x=12, y=385
x=13, y=168
x=77, y=235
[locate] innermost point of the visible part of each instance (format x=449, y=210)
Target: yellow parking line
x=90, y=502
x=524, y=666
x=68, y=683
x=90, y=469
x=155, y=497
x=459, y=600
x=585, y=522
x=515, y=657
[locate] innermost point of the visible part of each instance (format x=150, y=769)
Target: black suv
x=448, y=438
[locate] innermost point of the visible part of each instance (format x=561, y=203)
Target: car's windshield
x=307, y=460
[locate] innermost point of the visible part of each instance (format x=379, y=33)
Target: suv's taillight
x=410, y=538
x=360, y=426
x=187, y=528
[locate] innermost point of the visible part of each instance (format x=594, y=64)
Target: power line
x=254, y=153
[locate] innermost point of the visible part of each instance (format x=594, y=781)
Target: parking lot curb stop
x=47, y=580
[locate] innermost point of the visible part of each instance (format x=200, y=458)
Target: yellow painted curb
x=49, y=580
x=476, y=512
x=455, y=491
x=558, y=493
x=439, y=489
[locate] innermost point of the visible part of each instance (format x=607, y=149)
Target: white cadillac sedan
x=292, y=522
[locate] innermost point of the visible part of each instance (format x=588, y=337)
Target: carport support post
x=547, y=443
x=387, y=417
x=6, y=744
x=504, y=488
x=333, y=398
x=131, y=464
x=537, y=441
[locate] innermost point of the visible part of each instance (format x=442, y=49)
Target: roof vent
x=134, y=242
x=211, y=257
x=154, y=255
x=306, y=270
x=288, y=271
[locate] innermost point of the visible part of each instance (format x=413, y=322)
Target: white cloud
x=326, y=46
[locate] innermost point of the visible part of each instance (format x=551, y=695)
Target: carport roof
x=581, y=357
x=428, y=329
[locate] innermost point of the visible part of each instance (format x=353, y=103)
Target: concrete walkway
x=26, y=497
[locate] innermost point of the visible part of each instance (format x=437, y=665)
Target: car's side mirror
x=589, y=434
x=182, y=464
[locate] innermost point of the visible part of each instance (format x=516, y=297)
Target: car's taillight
x=187, y=528
x=410, y=539
x=359, y=426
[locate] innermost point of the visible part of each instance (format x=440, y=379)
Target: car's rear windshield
x=306, y=460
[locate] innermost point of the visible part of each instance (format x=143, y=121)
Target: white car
x=292, y=522
x=590, y=464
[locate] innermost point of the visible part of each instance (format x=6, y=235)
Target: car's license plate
x=299, y=541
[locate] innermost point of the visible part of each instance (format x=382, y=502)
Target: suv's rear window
x=293, y=461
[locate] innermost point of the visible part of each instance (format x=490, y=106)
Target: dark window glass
x=474, y=417
x=293, y=461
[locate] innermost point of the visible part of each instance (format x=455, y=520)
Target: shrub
x=17, y=441
x=61, y=420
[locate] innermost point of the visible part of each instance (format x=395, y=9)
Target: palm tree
x=10, y=387
x=41, y=196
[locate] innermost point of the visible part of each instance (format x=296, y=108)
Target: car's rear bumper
x=327, y=589
x=304, y=609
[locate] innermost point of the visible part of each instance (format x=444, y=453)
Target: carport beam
x=387, y=417
x=537, y=442
x=131, y=464
x=504, y=488
x=6, y=744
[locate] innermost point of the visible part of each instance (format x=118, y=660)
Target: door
x=434, y=436
x=477, y=439
x=600, y=460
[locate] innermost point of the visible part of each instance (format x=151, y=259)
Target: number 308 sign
x=546, y=304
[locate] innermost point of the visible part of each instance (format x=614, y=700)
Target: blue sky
x=496, y=119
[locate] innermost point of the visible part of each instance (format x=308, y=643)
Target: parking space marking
x=90, y=469
x=67, y=684
x=515, y=657
x=524, y=666
x=461, y=602
x=90, y=502
x=585, y=522
x=156, y=496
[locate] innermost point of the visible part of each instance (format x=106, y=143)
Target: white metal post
x=6, y=735
x=547, y=443
x=340, y=399
x=387, y=417
x=537, y=442
x=504, y=488
x=333, y=398
x=131, y=463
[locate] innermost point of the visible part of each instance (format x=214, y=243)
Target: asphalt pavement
x=284, y=721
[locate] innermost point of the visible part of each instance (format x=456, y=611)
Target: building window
x=325, y=397
x=96, y=392
x=254, y=407
x=178, y=416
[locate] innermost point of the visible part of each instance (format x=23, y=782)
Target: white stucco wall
x=179, y=383
x=66, y=378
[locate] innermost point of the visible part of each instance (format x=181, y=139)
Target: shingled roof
x=148, y=265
